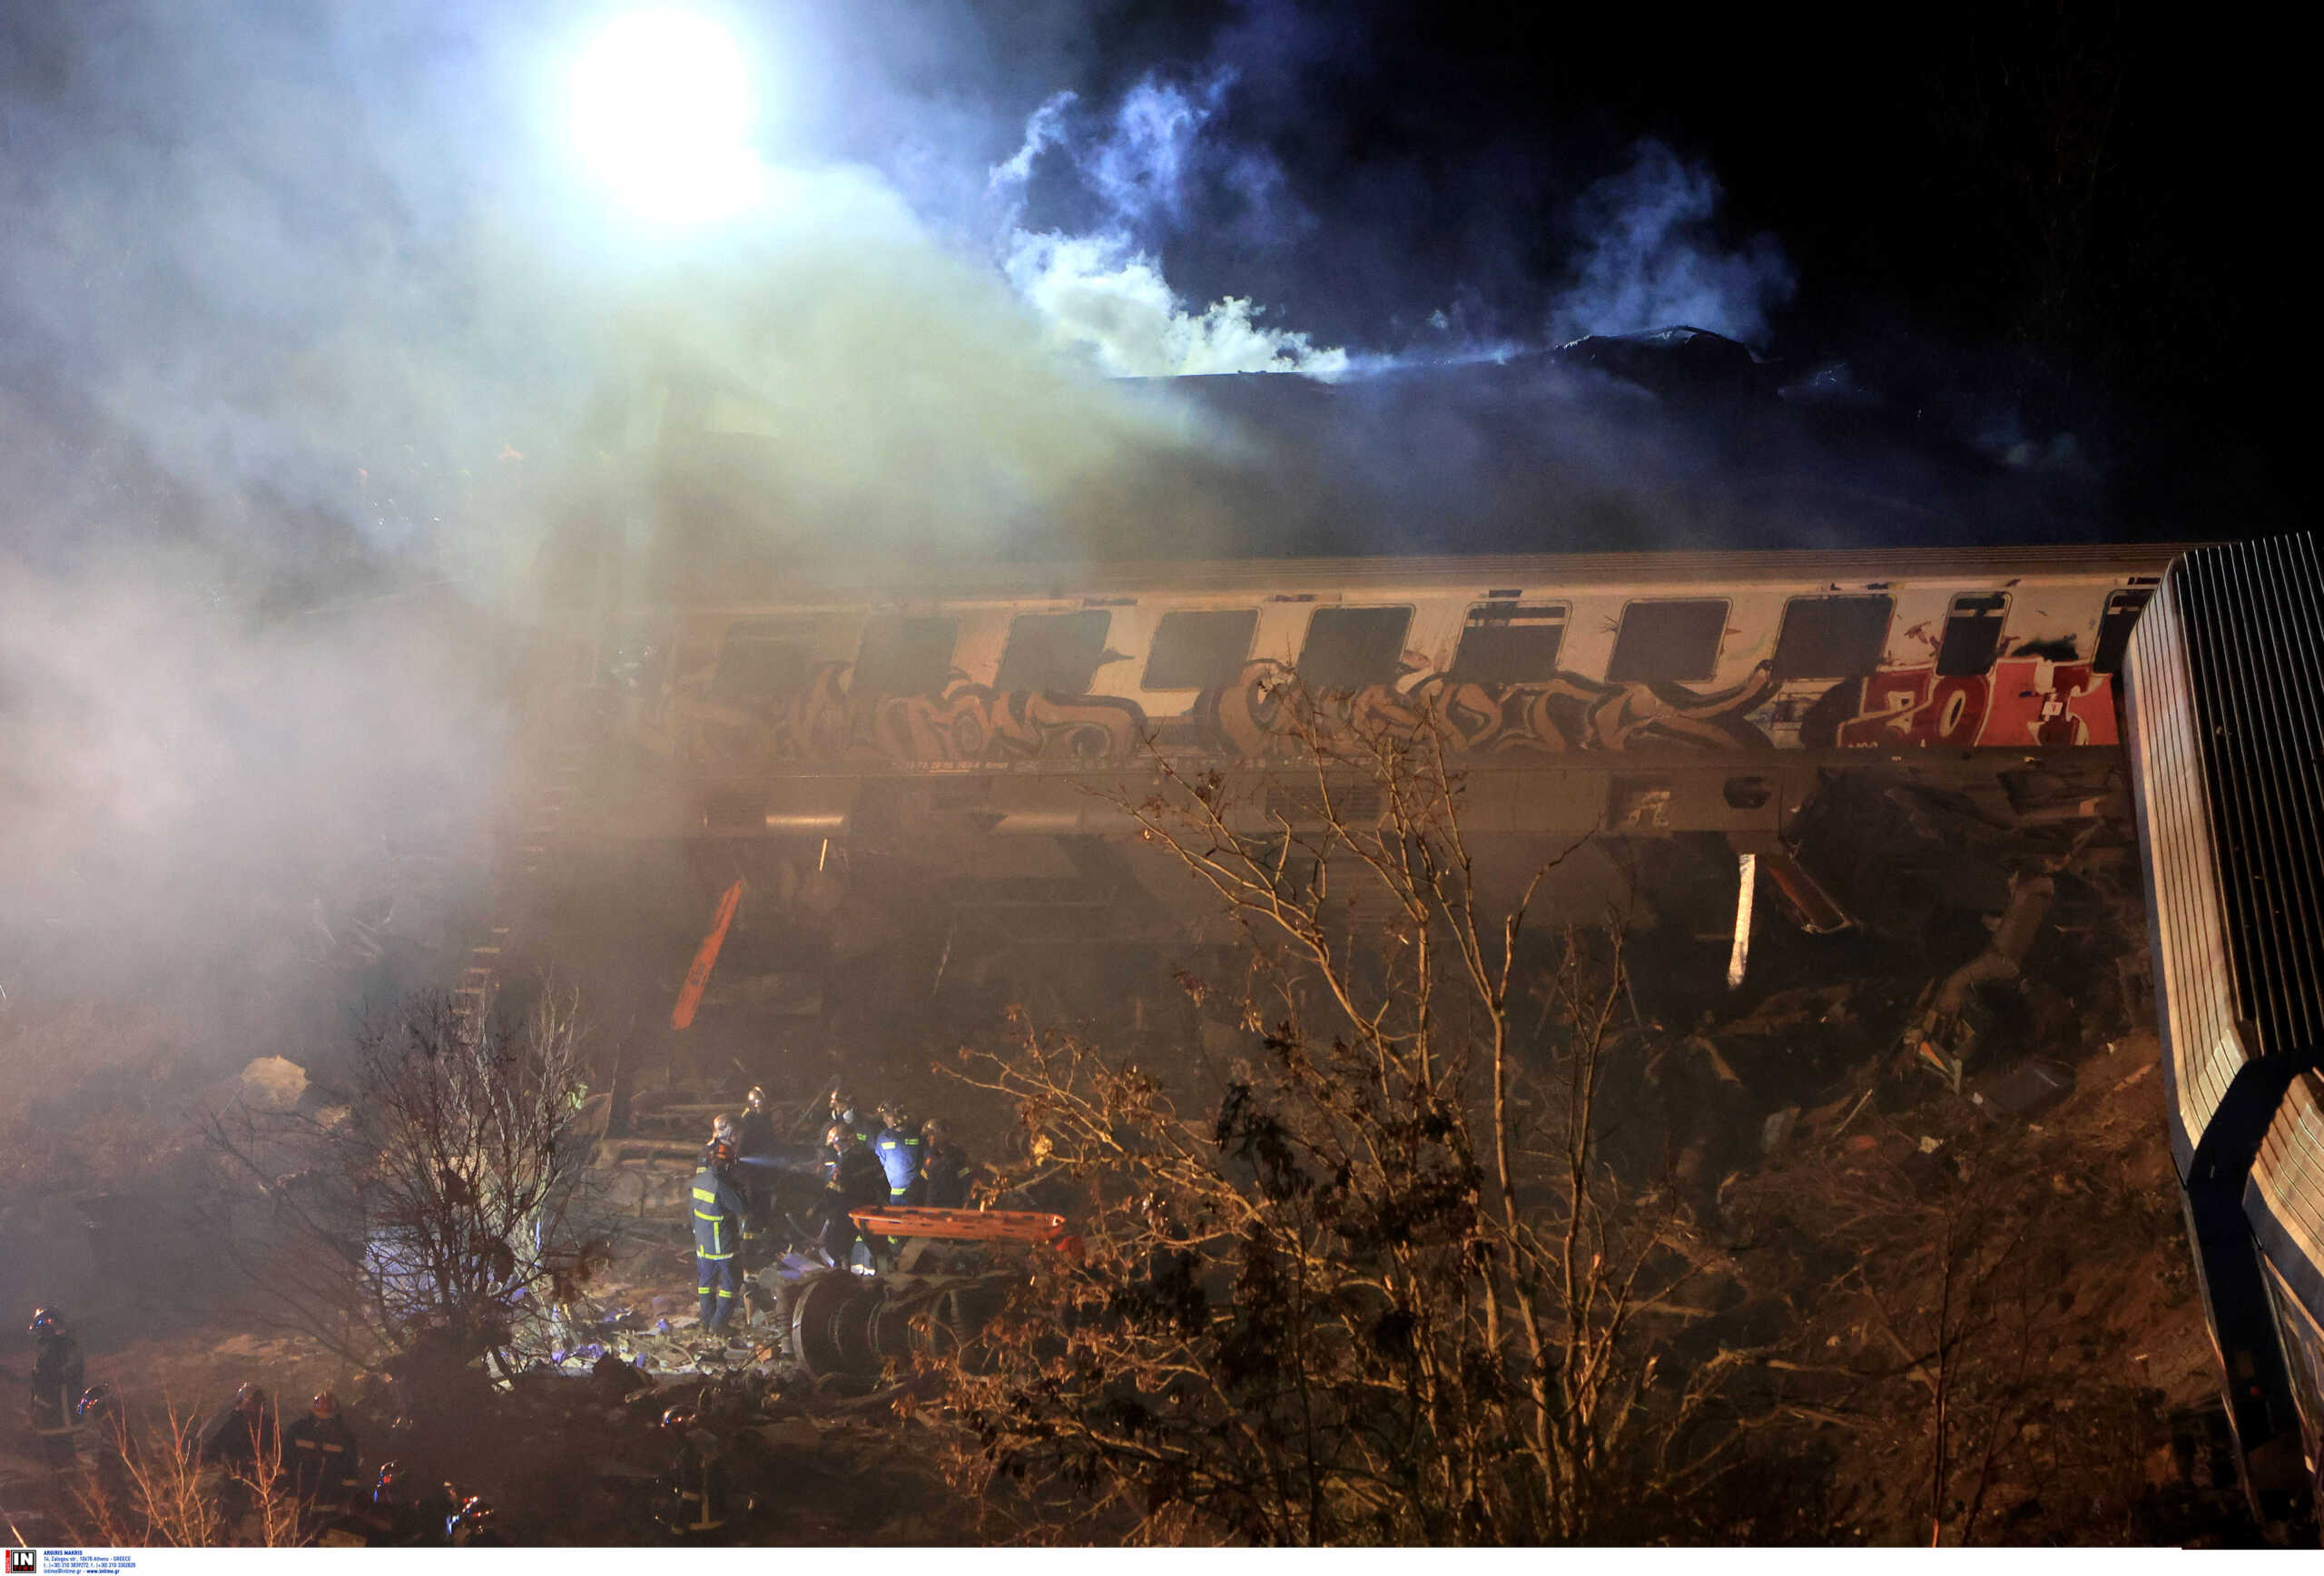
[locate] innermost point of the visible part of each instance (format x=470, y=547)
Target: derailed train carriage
x=2225, y=723
x=1638, y=692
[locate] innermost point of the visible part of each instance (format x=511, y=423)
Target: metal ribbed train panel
x=2288, y=1183
x=2194, y=969
x=2251, y=618
x=2224, y=700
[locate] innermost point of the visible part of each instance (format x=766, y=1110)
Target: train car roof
x=1857, y=569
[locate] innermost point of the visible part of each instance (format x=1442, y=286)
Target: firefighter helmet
x=324, y=1404
x=678, y=1419
x=96, y=1402
x=48, y=1321
x=756, y=1098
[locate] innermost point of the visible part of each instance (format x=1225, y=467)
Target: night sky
x=2088, y=210
x=291, y=281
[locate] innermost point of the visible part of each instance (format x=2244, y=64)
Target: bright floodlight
x=662, y=109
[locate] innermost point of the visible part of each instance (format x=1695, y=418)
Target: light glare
x=662, y=110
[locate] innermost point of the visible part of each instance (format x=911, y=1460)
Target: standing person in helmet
x=323, y=1458
x=857, y=1182
x=57, y=1384
x=944, y=1170
x=754, y=1142
x=843, y=1107
x=901, y=1150
x=99, y=1412
x=241, y=1438
x=397, y=1517
x=718, y=1218
x=755, y=1131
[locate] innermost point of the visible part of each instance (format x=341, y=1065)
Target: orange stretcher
x=968, y=1224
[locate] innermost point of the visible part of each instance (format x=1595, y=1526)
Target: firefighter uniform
x=324, y=1461
x=900, y=1153
x=856, y=1182
x=718, y=1213
x=945, y=1175
x=57, y=1382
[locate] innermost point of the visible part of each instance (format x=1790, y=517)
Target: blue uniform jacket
x=899, y=1157
x=717, y=1214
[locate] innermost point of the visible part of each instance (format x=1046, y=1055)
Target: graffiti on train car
x=2022, y=701
x=1254, y=717
x=822, y=725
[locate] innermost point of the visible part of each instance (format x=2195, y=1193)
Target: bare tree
x=435, y=1209
x=1379, y=1284
x=157, y=1493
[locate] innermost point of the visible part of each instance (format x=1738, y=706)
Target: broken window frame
x=2115, y=622
x=1365, y=673
x=1515, y=664
x=1048, y=656
x=1214, y=670
x=1972, y=616
x=873, y=673
x=792, y=634
x=1634, y=671
x=1833, y=664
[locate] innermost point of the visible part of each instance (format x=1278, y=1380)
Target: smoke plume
x=1101, y=291
x=1651, y=260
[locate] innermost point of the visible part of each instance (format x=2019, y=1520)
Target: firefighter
x=718, y=1222
x=844, y=1110
x=99, y=1412
x=754, y=1143
x=901, y=1149
x=241, y=1437
x=401, y=1517
x=856, y=1182
x=323, y=1458
x=57, y=1385
x=475, y=1525
x=754, y=1133
x=944, y=1168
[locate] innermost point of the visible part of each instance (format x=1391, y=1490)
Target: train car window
x=904, y=656
x=1055, y=653
x=2114, y=629
x=1506, y=643
x=1972, y=633
x=1200, y=650
x=1662, y=641
x=760, y=659
x=1350, y=647
x=1832, y=637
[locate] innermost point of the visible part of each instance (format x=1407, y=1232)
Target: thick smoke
x=311, y=330
x=1651, y=259
x=1101, y=290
